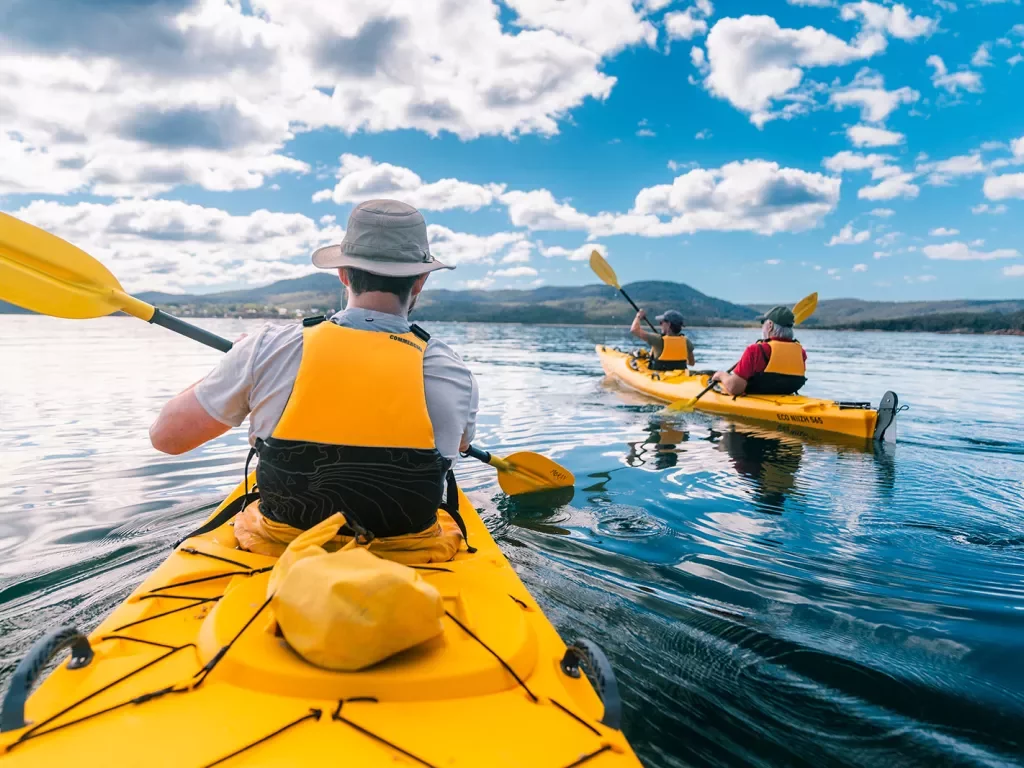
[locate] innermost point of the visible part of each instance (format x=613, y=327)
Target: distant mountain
x=596, y=304
x=846, y=313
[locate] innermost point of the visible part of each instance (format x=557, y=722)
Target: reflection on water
x=767, y=599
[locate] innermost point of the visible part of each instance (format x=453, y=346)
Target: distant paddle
x=604, y=270
x=48, y=275
x=801, y=311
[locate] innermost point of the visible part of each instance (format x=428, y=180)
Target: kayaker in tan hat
x=362, y=414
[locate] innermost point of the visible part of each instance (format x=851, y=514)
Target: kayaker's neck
x=378, y=301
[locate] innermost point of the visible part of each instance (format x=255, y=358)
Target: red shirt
x=755, y=359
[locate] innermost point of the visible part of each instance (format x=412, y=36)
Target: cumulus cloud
x=882, y=213
x=957, y=251
x=753, y=63
x=1015, y=270
x=940, y=172
x=1004, y=187
x=578, y=254
x=986, y=208
x=894, y=20
x=360, y=178
x=867, y=92
x=871, y=136
x=514, y=272
x=953, y=82
x=982, y=57
x=847, y=236
x=844, y=161
x=860, y=267
x=144, y=97
x=943, y=232
x=171, y=245
x=454, y=248
x=897, y=185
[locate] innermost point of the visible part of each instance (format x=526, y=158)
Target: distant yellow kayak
x=189, y=671
x=791, y=413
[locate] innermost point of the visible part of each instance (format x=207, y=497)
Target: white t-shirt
x=255, y=379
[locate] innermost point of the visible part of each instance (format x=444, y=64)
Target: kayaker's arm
x=647, y=337
x=183, y=424
x=731, y=383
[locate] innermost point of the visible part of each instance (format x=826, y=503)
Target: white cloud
x=645, y=132
x=1017, y=147
x=893, y=20
x=897, y=185
x=867, y=91
x=751, y=196
x=454, y=248
x=982, y=57
x=174, y=246
x=870, y=136
x=704, y=134
x=847, y=236
x=953, y=82
x=773, y=262
x=882, y=213
x=812, y=3
x=986, y=208
x=940, y=172
x=882, y=254
x=753, y=63
x=1015, y=270
x=957, y=251
x=360, y=178
x=519, y=253
x=854, y=161
x=833, y=271
x=889, y=238
x=685, y=25
x=1014, y=60
x=943, y=232
x=481, y=284
x=208, y=93
x=579, y=254
x=1005, y=186
x=977, y=243
x=514, y=272
x=602, y=26
x=860, y=267
x=945, y=5
x=919, y=278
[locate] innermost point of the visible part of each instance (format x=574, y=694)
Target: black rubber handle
x=172, y=323
x=25, y=674
x=476, y=453
x=623, y=292
x=599, y=669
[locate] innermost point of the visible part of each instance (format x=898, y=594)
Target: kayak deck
x=788, y=412
x=190, y=671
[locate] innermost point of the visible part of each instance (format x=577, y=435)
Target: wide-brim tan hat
x=384, y=237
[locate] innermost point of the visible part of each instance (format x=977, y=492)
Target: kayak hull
x=791, y=413
x=190, y=671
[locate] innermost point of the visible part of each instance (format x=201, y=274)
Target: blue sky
x=755, y=150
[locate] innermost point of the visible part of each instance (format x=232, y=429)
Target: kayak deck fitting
x=791, y=413
x=191, y=671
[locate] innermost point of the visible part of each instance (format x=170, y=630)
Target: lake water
x=765, y=601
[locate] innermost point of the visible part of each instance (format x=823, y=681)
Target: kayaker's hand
x=719, y=375
x=240, y=338
x=641, y=315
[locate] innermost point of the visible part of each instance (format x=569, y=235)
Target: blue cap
x=671, y=317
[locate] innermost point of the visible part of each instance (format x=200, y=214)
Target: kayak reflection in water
x=770, y=462
x=665, y=437
x=670, y=350
x=362, y=414
x=775, y=365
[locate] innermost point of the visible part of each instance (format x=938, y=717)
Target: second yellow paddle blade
x=41, y=272
x=805, y=308
x=682, y=406
x=603, y=269
x=530, y=472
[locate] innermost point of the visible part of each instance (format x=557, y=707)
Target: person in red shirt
x=775, y=365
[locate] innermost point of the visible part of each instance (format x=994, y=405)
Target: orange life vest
x=674, y=354
x=784, y=372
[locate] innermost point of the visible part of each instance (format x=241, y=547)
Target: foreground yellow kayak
x=791, y=413
x=189, y=671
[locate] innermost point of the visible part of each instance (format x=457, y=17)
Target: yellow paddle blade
x=45, y=274
x=805, y=308
x=603, y=270
x=528, y=472
x=681, y=406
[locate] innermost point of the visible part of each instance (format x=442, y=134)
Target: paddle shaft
x=710, y=386
x=623, y=292
x=172, y=323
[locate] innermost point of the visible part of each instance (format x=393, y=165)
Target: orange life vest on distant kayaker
x=674, y=354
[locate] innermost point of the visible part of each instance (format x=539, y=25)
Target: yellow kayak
x=790, y=413
x=189, y=671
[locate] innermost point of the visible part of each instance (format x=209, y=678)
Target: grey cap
x=384, y=237
x=671, y=317
x=779, y=315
